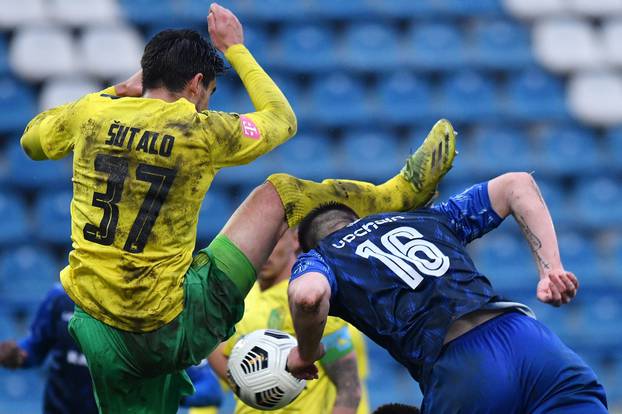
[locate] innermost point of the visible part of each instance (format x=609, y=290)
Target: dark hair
x=321, y=222
x=396, y=409
x=173, y=57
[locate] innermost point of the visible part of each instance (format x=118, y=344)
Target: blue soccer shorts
x=512, y=364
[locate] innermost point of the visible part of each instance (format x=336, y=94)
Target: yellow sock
x=300, y=197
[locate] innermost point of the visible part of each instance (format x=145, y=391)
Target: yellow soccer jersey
x=141, y=168
x=358, y=341
x=269, y=309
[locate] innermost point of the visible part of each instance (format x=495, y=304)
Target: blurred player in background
x=68, y=389
x=407, y=282
x=338, y=388
x=144, y=154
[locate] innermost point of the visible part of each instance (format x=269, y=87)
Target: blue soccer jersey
x=403, y=278
x=68, y=389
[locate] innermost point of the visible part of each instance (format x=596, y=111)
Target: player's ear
x=195, y=85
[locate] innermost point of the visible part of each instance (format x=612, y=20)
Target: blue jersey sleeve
x=470, y=213
x=42, y=333
x=312, y=261
x=208, y=392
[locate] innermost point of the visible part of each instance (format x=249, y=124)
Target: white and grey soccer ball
x=257, y=373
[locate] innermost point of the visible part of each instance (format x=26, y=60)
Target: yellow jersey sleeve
x=51, y=133
x=239, y=139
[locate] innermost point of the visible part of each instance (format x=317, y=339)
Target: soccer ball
x=256, y=370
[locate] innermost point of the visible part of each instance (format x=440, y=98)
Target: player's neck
x=163, y=94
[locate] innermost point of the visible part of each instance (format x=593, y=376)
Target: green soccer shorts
x=144, y=372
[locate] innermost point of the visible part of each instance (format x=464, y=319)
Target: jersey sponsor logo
x=249, y=128
x=364, y=230
x=407, y=255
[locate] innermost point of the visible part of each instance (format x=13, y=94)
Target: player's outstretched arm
x=309, y=297
x=518, y=194
x=274, y=120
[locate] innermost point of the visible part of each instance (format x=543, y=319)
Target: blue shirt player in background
x=68, y=389
x=407, y=282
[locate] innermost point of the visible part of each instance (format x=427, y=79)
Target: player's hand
x=224, y=28
x=301, y=368
x=133, y=87
x=557, y=287
x=11, y=355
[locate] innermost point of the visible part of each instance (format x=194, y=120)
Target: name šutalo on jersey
x=136, y=139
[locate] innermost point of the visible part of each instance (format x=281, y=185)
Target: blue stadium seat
x=469, y=96
x=474, y=8
x=614, y=263
x=308, y=156
x=268, y=10
x=15, y=227
x=306, y=48
x=17, y=105
x=506, y=261
x=405, y=8
x=26, y=275
x=501, y=45
x=21, y=391
x=4, y=62
x=144, y=12
x=602, y=320
x=53, y=217
x=599, y=202
x=567, y=150
x=250, y=174
x=536, y=96
x=403, y=98
x=215, y=211
x=579, y=255
x=497, y=149
x=23, y=173
x=436, y=46
x=371, y=47
x=227, y=92
x=338, y=99
x=337, y=9
x=557, y=201
x=613, y=148
x=7, y=327
x=372, y=155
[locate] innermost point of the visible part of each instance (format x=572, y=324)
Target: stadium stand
x=532, y=85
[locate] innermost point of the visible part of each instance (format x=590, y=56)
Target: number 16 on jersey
x=410, y=260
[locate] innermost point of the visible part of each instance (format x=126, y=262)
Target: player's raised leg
x=413, y=187
x=284, y=200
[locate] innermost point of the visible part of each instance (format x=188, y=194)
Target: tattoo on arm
x=344, y=374
x=534, y=242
